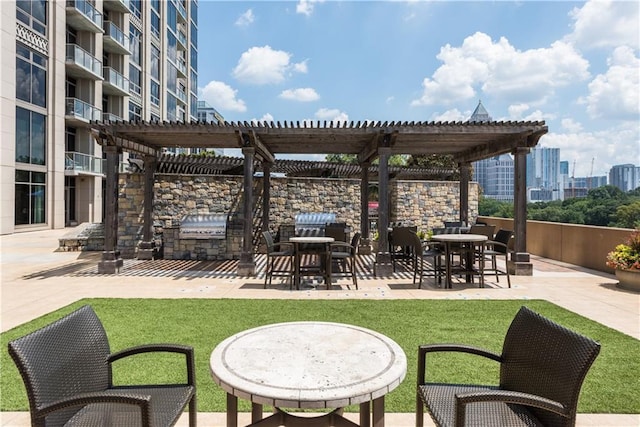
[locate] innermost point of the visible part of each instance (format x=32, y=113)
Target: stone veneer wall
x=423, y=203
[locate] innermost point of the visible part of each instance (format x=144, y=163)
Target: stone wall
x=423, y=203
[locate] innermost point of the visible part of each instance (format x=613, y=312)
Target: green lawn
x=612, y=385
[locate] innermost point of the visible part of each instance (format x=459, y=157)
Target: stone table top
x=308, y=365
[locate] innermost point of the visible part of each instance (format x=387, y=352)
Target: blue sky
x=575, y=65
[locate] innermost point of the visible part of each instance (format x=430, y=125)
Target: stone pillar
x=146, y=247
x=383, y=266
x=365, y=239
x=266, y=194
x=465, y=177
x=247, y=265
x=111, y=261
x=520, y=263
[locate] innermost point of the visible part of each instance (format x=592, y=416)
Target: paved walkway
x=36, y=280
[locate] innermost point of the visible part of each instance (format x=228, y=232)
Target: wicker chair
x=498, y=246
x=345, y=255
x=279, y=259
x=67, y=370
x=542, y=368
x=421, y=252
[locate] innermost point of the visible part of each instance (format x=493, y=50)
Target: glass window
x=155, y=24
x=33, y=13
x=30, y=137
x=155, y=62
x=30, y=197
x=135, y=111
x=194, y=35
x=172, y=46
x=194, y=58
x=172, y=77
x=31, y=76
x=172, y=16
x=155, y=93
x=135, y=79
x=172, y=105
x=194, y=11
x=135, y=6
x=155, y=5
x=135, y=44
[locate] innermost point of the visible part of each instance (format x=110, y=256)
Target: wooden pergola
x=467, y=142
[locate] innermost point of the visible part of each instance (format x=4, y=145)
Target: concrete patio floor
x=37, y=280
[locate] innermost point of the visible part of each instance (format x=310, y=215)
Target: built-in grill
x=313, y=223
x=203, y=226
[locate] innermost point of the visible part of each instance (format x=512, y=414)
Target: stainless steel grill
x=203, y=226
x=313, y=223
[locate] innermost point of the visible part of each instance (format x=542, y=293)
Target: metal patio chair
x=280, y=259
x=345, y=255
x=542, y=368
x=498, y=246
x=67, y=370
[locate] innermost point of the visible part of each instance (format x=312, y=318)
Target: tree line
x=606, y=206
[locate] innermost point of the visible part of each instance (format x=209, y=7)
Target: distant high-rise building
x=480, y=114
x=499, y=177
x=67, y=63
x=208, y=114
x=626, y=177
x=543, y=173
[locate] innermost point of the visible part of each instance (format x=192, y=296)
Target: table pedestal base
x=281, y=418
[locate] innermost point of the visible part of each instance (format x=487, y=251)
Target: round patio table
x=325, y=264
x=475, y=242
x=308, y=365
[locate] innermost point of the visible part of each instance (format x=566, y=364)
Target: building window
x=33, y=13
x=135, y=45
x=194, y=35
x=30, y=137
x=155, y=24
x=135, y=112
x=31, y=76
x=155, y=62
x=30, y=197
x=135, y=79
x=135, y=6
x=155, y=93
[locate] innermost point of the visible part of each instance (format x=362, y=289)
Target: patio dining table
x=472, y=244
x=323, y=269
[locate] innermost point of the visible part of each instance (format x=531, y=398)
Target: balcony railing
x=117, y=35
x=82, y=110
x=182, y=11
x=110, y=117
x=87, y=10
x=77, y=55
x=116, y=79
x=79, y=163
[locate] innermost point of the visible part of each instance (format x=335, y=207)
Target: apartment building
x=66, y=63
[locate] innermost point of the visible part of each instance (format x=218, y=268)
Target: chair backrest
x=485, y=230
x=502, y=236
x=401, y=236
x=355, y=241
x=448, y=224
x=63, y=359
x=268, y=240
x=548, y=360
x=337, y=232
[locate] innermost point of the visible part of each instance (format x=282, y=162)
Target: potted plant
x=625, y=259
x=374, y=241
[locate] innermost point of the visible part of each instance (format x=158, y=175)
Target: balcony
x=181, y=66
x=115, y=40
x=114, y=82
x=110, y=117
x=121, y=6
x=182, y=36
x=80, y=113
x=182, y=10
x=82, y=64
x=82, y=164
x=83, y=16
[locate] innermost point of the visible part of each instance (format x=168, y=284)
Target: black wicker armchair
x=542, y=368
x=67, y=366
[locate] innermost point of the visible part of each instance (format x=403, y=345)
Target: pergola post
x=365, y=242
x=111, y=261
x=146, y=246
x=520, y=263
x=383, y=266
x=465, y=177
x=247, y=265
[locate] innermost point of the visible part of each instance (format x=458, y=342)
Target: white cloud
x=301, y=67
x=265, y=118
x=502, y=71
x=607, y=148
x=571, y=125
x=245, y=19
x=332, y=114
x=305, y=7
x=451, y=116
x=305, y=94
x=606, y=24
x=222, y=97
x=616, y=94
x=264, y=65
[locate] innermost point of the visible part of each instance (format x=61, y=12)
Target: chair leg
x=506, y=268
x=353, y=272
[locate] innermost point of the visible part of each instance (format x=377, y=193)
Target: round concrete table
x=308, y=365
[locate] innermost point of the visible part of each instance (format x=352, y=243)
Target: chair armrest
x=167, y=348
x=287, y=245
x=493, y=245
x=458, y=348
x=506, y=396
x=83, y=399
x=341, y=245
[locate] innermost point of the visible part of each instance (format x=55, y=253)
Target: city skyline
x=573, y=64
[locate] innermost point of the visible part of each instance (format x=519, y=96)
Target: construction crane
x=590, y=175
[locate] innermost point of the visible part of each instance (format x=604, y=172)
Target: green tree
x=394, y=160
x=628, y=216
x=435, y=161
